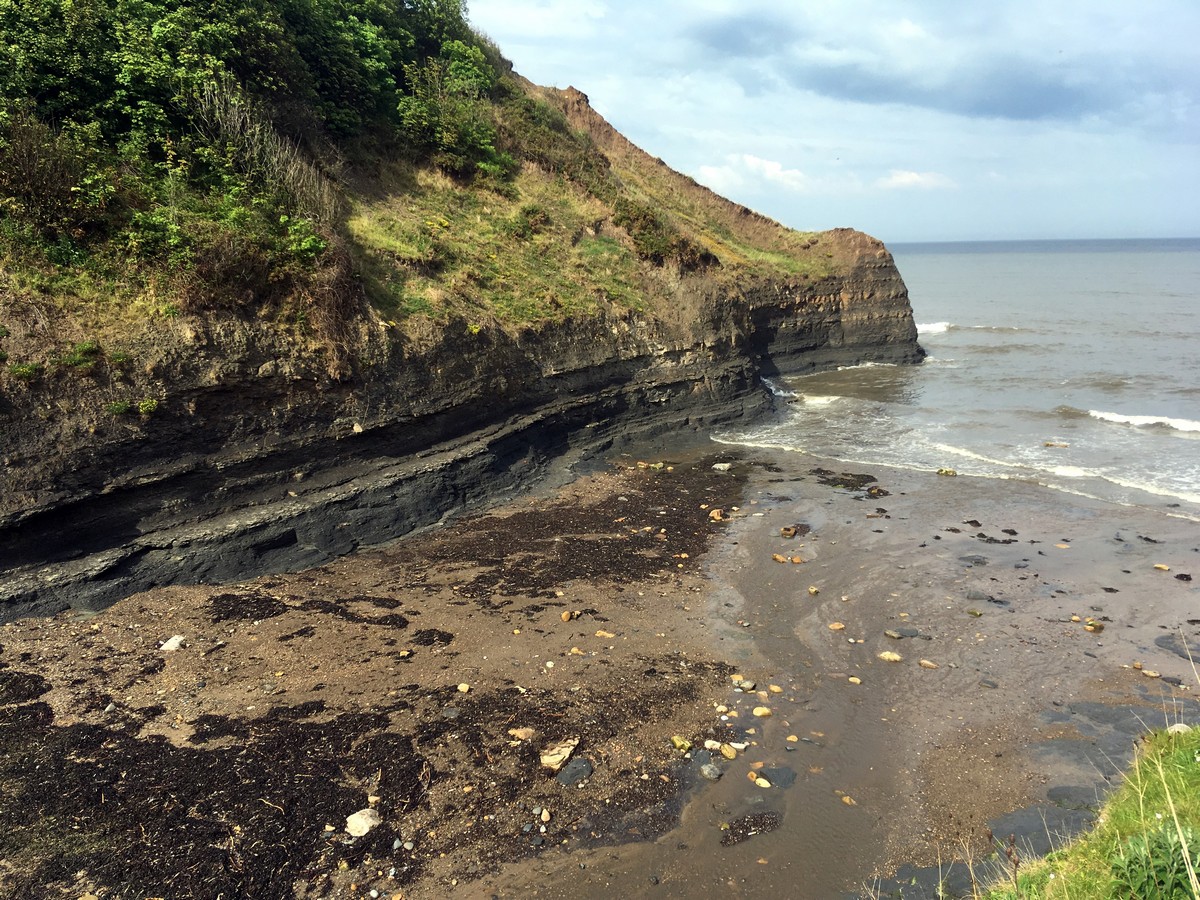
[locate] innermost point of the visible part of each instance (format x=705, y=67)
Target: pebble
x=762, y=711
x=889, y=656
x=575, y=771
x=172, y=643
x=409, y=845
x=1179, y=728
x=928, y=664
x=463, y=688
x=710, y=771
x=722, y=467
x=728, y=752
x=361, y=822
x=854, y=679
x=110, y=708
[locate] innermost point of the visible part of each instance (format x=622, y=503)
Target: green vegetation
x=26, y=371
x=280, y=160
x=118, y=407
x=1137, y=849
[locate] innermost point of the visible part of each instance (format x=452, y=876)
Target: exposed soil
x=397, y=680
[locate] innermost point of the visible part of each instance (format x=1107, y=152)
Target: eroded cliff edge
x=257, y=459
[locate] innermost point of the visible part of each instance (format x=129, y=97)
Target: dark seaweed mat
x=746, y=827
x=531, y=552
x=145, y=818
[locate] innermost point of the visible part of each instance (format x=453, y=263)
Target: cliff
x=255, y=454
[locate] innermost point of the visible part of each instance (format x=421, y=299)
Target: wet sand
x=1026, y=720
x=297, y=699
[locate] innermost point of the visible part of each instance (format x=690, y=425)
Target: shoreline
x=926, y=755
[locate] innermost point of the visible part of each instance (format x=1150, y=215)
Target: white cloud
x=902, y=179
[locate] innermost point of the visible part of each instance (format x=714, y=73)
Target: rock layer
x=257, y=462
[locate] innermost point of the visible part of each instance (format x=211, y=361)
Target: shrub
x=82, y=357
x=26, y=371
x=118, y=408
x=1152, y=865
x=148, y=406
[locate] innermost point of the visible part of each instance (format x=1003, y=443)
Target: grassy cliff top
x=316, y=164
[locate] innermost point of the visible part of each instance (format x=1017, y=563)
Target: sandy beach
x=1037, y=635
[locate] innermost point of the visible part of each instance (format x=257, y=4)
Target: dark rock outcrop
x=257, y=462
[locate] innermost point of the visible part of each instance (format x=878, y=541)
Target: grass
x=1134, y=852
x=530, y=254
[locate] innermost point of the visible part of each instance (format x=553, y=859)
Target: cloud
x=901, y=179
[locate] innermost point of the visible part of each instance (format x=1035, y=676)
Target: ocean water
x=1072, y=364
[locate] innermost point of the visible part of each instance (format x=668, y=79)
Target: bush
x=118, y=408
x=1152, y=865
x=26, y=371
x=148, y=406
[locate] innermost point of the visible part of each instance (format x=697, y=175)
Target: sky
x=912, y=121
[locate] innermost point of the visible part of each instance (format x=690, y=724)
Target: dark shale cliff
x=257, y=459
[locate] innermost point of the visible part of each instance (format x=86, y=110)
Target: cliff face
x=257, y=461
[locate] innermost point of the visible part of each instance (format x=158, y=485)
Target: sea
x=1070, y=364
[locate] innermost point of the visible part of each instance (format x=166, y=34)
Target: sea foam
x=1146, y=421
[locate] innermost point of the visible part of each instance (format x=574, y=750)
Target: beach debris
x=605, y=634
x=974, y=613
x=1149, y=673
x=1183, y=576
x=797, y=561
x=836, y=626
x=1075, y=618
x=792, y=739
x=889, y=656
x=1058, y=444
x=848, y=800
x=1162, y=568
x=949, y=473
x=717, y=515
x=779, y=557
x=774, y=689
x=788, y=531
x=174, y=642
x=854, y=679
x=362, y=822
x=555, y=756
x=762, y=711
x=813, y=590
x=680, y=743
x=748, y=826
x=928, y=664
x=575, y=651
x=1093, y=626
x=523, y=734
x=1138, y=665
x=1063, y=546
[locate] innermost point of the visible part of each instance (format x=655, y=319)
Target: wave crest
x=1166, y=422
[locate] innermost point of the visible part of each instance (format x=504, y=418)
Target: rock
x=894, y=635
x=172, y=643
x=545, y=817
x=566, y=616
x=813, y=590
x=774, y=689
x=451, y=713
x=779, y=557
x=682, y=744
x=1183, y=576
x=1179, y=728
x=722, y=467
x=605, y=634
x=854, y=679
x=575, y=771
x=762, y=711
x=711, y=772
x=927, y=664
x=361, y=822
x=889, y=656
x=464, y=688
x=762, y=782
x=836, y=626
x=710, y=744
x=409, y=845
x=728, y=752
x=555, y=756
x=747, y=685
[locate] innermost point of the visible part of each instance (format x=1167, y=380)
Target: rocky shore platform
x=728, y=673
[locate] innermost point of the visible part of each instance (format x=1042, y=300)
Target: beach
x=425, y=680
